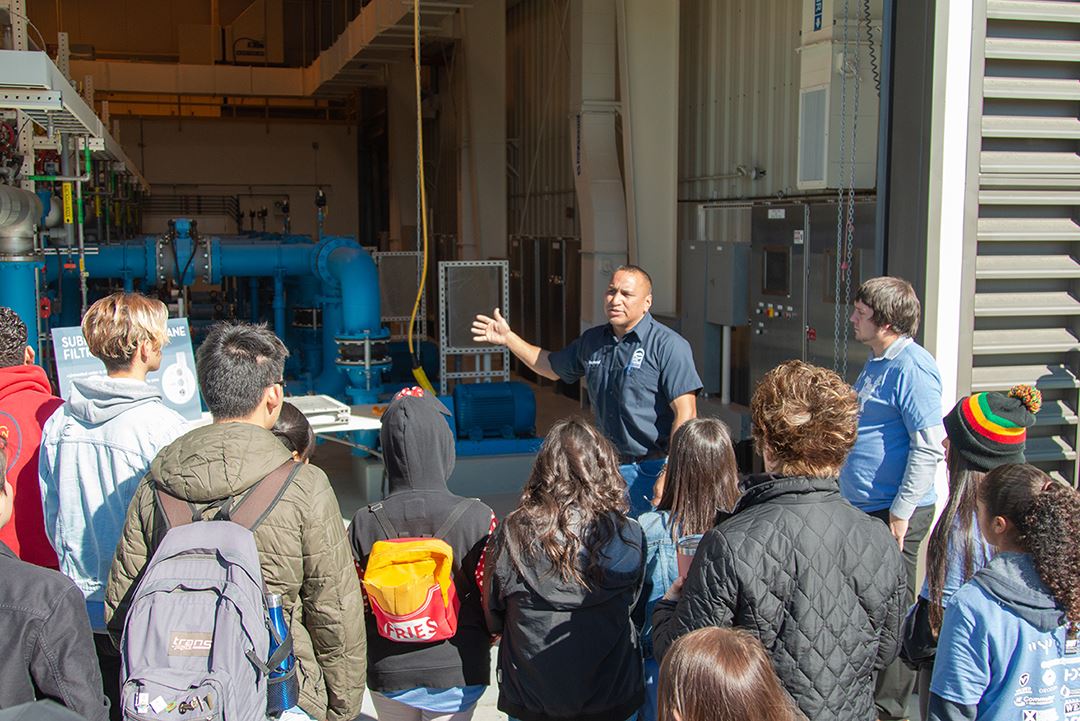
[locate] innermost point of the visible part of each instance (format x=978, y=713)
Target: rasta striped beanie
x=988, y=430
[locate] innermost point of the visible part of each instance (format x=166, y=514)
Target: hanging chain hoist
x=845, y=216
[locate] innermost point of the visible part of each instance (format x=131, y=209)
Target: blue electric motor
x=494, y=410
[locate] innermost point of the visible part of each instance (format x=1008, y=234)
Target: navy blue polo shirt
x=632, y=382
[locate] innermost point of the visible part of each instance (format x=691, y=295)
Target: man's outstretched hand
x=495, y=331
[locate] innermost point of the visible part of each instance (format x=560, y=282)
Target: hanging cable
x=414, y=349
x=874, y=68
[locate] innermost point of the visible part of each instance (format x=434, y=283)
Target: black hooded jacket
x=568, y=652
x=418, y=450
x=819, y=582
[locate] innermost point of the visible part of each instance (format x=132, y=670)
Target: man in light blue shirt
x=97, y=447
x=890, y=472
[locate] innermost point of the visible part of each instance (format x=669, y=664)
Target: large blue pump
x=494, y=410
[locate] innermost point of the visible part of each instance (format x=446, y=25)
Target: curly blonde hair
x=115, y=326
x=805, y=418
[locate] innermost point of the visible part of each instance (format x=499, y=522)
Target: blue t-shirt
x=991, y=658
x=632, y=382
x=899, y=394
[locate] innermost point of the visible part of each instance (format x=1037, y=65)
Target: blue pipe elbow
x=353, y=269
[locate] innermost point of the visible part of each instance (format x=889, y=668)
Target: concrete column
x=598, y=179
x=481, y=224
x=649, y=86
x=401, y=120
x=951, y=215
x=953, y=206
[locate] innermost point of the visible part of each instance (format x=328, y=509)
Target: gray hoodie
x=94, y=451
x=1012, y=580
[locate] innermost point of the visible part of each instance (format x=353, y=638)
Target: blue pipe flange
x=320, y=258
x=211, y=260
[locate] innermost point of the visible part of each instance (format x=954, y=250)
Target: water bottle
x=282, y=688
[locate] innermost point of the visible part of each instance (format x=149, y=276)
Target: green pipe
x=86, y=149
x=58, y=179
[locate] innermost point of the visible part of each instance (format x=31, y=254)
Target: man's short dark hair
x=628, y=268
x=236, y=363
x=12, y=338
x=894, y=303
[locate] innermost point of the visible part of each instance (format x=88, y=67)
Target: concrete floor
x=499, y=489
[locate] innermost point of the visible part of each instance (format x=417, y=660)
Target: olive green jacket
x=302, y=546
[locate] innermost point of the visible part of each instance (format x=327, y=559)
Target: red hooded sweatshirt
x=26, y=402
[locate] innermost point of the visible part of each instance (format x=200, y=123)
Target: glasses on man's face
x=282, y=384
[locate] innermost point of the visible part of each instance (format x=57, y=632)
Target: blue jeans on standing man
x=640, y=478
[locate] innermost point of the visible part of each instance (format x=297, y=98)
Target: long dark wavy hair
x=1046, y=517
x=955, y=522
x=572, y=505
x=702, y=476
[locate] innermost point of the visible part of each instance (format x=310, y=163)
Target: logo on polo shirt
x=637, y=358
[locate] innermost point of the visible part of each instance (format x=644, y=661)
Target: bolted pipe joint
x=20, y=211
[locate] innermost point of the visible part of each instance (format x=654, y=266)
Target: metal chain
x=850, y=251
x=837, y=311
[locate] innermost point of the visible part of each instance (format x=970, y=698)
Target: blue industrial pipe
x=279, y=304
x=347, y=273
x=253, y=298
x=128, y=261
x=17, y=283
x=259, y=259
x=355, y=272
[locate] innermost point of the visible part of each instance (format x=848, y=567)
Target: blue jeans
x=652, y=685
x=640, y=479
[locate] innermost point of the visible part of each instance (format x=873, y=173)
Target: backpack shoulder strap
x=387, y=528
x=262, y=498
x=454, y=517
x=175, y=511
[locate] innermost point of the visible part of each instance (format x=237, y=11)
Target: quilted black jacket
x=819, y=582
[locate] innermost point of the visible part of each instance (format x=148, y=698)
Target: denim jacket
x=94, y=451
x=661, y=566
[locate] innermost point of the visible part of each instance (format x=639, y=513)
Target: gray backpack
x=196, y=643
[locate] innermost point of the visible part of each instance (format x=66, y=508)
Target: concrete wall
x=127, y=26
x=260, y=162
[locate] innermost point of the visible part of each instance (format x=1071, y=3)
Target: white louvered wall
x=1025, y=311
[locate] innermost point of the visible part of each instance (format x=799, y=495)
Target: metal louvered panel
x=1031, y=89
x=1017, y=267
x=1031, y=127
x=1026, y=310
x=1033, y=10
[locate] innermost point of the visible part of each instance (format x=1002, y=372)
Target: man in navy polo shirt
x=640, y=376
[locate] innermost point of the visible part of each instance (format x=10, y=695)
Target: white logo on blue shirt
x=868, y=388
x=637, y=358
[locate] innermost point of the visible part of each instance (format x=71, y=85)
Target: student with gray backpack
x=224, y=521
